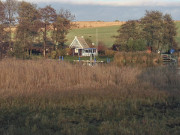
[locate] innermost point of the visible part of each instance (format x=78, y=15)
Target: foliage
x=24, y=23
x=58, y=53
x=48, y=16
x=61, y=27
x=153, y=28
x=170, y=31
x=11, y=7
x=129, y=32
x=101, y=48
x=110, y=53
x=3, y=33
x=28, y=26
x=136, y=45
x=68, y=51
x=142, y=59
x=156, y=30
x=18, y=51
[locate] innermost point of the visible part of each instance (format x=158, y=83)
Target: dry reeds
x=49, y=74
x=52, y=97
x=24, y=76
x=137, y=58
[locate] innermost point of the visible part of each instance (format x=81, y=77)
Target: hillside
x=92, y=24
x=104, y=33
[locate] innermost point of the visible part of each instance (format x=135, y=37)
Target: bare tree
x=2, y=28
x=11, y=11
x=48, y=16
x=28, y=24
x=62, y=26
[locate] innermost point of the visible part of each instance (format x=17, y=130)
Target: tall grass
x=19, y=75
x=49, y=97
x=142, y=59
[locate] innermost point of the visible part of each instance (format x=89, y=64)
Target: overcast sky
x=110, y=10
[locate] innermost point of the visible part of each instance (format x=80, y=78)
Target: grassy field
x=104, y=34
x=47, y=97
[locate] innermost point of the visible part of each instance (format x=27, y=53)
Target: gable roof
x=81, y=41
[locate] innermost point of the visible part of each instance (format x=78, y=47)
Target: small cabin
x=80, y=47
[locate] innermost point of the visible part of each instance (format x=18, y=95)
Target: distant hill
x=93, y=24
x=102, y=31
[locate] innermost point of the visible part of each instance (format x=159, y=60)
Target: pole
x=97, y=37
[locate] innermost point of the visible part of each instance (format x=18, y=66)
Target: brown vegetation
x=92, y=24
x=137, y=58
x=18, y=76
x=52, y=97
x=27, y=76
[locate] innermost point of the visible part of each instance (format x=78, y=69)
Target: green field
x=104, y=34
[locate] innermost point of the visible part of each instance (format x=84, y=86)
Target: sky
x=111, y=10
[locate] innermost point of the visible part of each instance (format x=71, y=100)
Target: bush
x=18, y=51
x=110, y=53
x=101, y=48
x=57, y=53
x=136, y=45
x=68, y=51
x=137, y=58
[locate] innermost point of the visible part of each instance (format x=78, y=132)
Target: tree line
x=154, y=31
x=23, y=24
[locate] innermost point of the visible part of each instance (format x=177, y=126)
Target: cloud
x=116, y=2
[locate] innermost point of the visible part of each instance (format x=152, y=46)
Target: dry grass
x=93, y=24
x=27, y=76
x=49, y=75
x=137, y=58
x=49, y=97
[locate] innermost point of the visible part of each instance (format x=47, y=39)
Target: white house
x=81, y=48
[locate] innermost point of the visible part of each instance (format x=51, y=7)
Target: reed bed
x=52, y=97
x=30, y=75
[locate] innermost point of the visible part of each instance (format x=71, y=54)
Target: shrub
x=18, y=51
x=101, y=48
x=68, y=51
x=137, y=58
x=57, y=53
x=110, y=53
x=136, y=45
